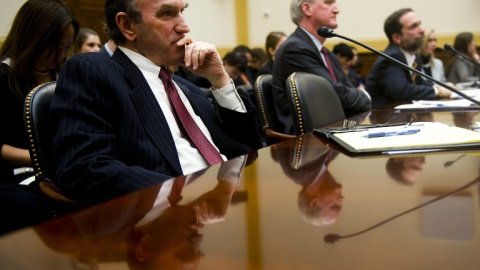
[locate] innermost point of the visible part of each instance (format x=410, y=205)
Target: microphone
x=331, y=238
x=450, y=163
x=449, y=47
x=328, y=33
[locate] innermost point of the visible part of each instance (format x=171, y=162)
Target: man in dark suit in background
x=388, y=82
x=118, y=126
x=108, y=48
x=302, y=52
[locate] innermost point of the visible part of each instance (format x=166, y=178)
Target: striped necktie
x=414, y=75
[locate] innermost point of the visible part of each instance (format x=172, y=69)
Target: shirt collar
x=409, y=56
x=141, y=61
x=317, y=43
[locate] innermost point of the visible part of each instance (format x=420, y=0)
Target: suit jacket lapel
x=148, y=110
x=308, y=42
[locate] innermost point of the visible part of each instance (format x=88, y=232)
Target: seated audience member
x=122, y=124
x=87, y=40
x=108, y=48
x=37, y=44
x=388, y=82
x=247, y=77
x=430, y=65
x=259, y=59
x=355, y=67
x=405, y=170
x=459, y=69
x=303, y=51
x=273, y=41
x=235, y=64
x=347, y=56
x=320, y=197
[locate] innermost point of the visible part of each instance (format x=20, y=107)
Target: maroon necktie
x=176, y=192
x=329, y=65
x=185, y=122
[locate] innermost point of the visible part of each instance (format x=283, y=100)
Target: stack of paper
x=447, y=104
x=430, y=136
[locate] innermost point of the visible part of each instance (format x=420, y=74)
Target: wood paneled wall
x=90, y=13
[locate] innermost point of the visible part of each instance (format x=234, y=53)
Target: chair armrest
x=275, y=137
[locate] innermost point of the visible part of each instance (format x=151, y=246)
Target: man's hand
x=204, y=60
x=444, y=92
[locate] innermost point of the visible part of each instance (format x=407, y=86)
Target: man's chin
x=333, y=25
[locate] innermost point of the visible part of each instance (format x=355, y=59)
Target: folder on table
x=431, y=137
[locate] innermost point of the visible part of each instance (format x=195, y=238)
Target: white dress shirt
x=190, y=158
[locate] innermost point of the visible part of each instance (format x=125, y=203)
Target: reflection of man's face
x=330, y=200
x=326, y=198
x=174, y=241
x=412, y=167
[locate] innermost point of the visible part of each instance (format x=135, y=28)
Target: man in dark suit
x=118, y=125
x=108, y=48
x=387, y=82
x=302, y=52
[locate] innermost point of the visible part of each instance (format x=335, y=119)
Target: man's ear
x=306, y=9
x=397, y=39
x=125, y=25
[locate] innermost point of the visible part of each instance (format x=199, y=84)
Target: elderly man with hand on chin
x=122, y=124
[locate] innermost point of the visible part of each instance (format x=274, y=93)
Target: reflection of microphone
x=328, y=33
x=449, y=47
x=450, y=163
x=332, y=238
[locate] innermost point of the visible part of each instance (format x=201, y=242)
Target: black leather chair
x=39, y=131
x=268, y=119
x=313, y=101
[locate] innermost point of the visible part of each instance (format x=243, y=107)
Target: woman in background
x=272, y=42
x=459, y=69
x=87, y=40
x=38, y=42
x=431, y=65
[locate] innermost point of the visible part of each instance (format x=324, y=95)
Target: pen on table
x=433, y=104
x=396, y=132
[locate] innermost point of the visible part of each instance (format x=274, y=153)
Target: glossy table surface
x=264, y=215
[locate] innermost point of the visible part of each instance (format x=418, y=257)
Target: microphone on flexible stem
x=328, y=33
x=332, y=238
x=449, y=47
x=450, y=163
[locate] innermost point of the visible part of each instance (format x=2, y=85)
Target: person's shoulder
x=92, y=58
x=392, y=50
x=437, y=62
x=4, y=69
x=4, y=74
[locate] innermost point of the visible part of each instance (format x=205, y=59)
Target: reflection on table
x=273, y=212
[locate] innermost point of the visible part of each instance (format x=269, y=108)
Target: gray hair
x=296, y=13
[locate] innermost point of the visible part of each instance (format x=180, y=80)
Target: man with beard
x=387, y=82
